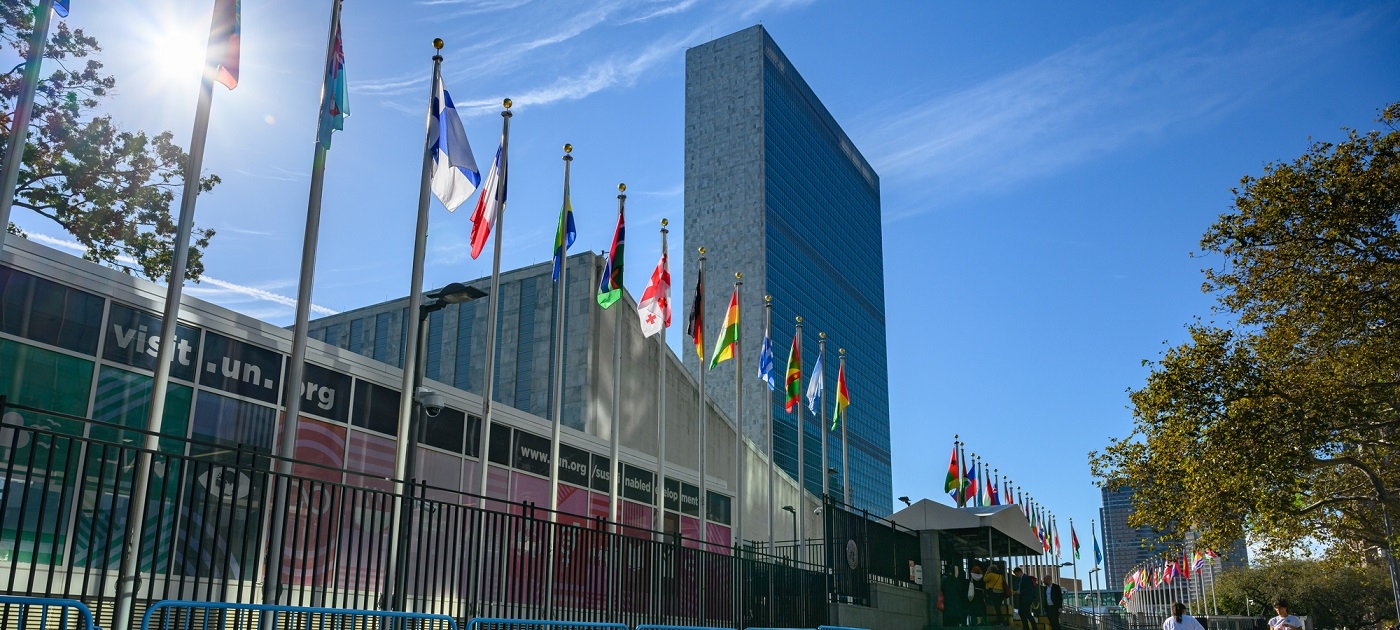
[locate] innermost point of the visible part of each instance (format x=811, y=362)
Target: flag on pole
x=765, y=362
x=952, y=484
x=815, y=384
x=843, y=398
x=728, y=333
x=224, y=36
x=1098, y=554
x=1185, y=566
x=60, y=7
x=488, y=207
x=695, y=324
x=1056, y=530
x=565, y=232
x=335, y=98
x=1074, y=541
x=984, y=494
x=610, y=290
x=794, y=377
x=455, y=174
x=971, y=491
x=1198, y=559
x=654, y=309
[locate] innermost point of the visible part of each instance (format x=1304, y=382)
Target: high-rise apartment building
x=775, y=189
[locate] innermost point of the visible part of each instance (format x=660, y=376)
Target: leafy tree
x=109, y=188
x=1334, y=594
x=1283, y=423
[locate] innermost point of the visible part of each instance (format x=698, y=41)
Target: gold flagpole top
x=702, y=251
x=738, y=275
x=437, y=43
x=799, y=319
x=821, y=335
x=622, y=188
x=768, y=299
x=506, y=103
x=842, y=351
x=568, y=148
x=665, y=223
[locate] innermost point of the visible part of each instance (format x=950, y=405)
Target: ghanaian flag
x=843, y=398
x=729, y=333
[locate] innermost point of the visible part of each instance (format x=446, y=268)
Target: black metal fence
x=65, y=498
x=862, y=548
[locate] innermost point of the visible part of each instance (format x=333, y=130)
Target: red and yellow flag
x=794, y=376
x=843, y=398
x=728, y=333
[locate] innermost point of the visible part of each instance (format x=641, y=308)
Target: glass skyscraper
x=775, y=189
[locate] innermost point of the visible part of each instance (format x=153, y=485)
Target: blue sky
x=1047, y=169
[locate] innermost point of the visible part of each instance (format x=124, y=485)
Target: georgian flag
x=655, y=307
x=455, y=174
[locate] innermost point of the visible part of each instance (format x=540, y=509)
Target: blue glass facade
x=796, y=208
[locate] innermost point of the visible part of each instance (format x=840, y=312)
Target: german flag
x=695, y=325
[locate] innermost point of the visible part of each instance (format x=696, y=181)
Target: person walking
x=1180, y=620
x=996, y=594
x=977, y=596
x=1025, y=596
x=1284, y=621
x=1054, y=601
x=954, y=588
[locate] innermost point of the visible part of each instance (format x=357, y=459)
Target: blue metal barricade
x=838, y=628
x=680, y=628
x=43, y=613
x=501, y=623
x=182, y=615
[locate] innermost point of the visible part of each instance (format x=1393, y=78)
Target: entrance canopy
x=974, y=532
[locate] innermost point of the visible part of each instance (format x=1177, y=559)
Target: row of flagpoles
x=451, y=174
x=1161, y=581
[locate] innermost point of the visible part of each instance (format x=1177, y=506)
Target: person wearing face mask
x=976, y=596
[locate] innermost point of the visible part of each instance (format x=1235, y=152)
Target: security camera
x=432, y=401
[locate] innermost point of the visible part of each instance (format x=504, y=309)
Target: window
x=48, y=312
x=381, y=337
x=357, y=336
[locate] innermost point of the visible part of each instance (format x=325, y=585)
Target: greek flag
x=765, y=363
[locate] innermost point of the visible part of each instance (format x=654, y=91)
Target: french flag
x=488, y=206
x=455, y=174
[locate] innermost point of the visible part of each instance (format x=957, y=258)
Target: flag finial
x=822, y=335
x=768, y=299
x=738, y=275
x=665, y=223
x=507, y=103
x=702, y=251
x=842, y=351
x=437, y=43
x=568, y=148
x=622, y=188
x=799, y=319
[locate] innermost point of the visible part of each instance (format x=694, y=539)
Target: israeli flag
x=765, y=363
x=455, y=174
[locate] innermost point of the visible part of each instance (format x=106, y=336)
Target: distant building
x=776, y=190
x=1125, y=547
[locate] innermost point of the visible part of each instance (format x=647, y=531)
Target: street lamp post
x=455, y=293
x=792, y=511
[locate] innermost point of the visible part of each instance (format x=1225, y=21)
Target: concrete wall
x=891, y=608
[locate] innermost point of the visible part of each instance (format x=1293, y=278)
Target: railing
x=178, y=615
x=66, y=490
x=43, y=613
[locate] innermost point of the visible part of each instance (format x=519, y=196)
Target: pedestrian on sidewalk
x=996, y=596
x=954, y=596
x=976, y=597
x=1025, y=597
x=1284, y=621
x=1180, y=620
x=1054, y=601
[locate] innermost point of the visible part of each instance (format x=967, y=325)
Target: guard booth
x=950, y=536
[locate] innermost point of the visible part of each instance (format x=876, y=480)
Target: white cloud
x=1082, y=103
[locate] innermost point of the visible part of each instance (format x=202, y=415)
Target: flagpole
x=768, y=417
x=660, y=514
x=821, y=362
x=1074, y=566
x=845, y=420
x=560, y=293
x=128, y=577
x=291, y=387
x=740, y=481
x=405, y=445
x=614, y=480
x=962, y=475
x=24, y=110
x=801, y=457
x=489, y=371
x=701, y=368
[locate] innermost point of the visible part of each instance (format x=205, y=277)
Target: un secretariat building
x=775, y=189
